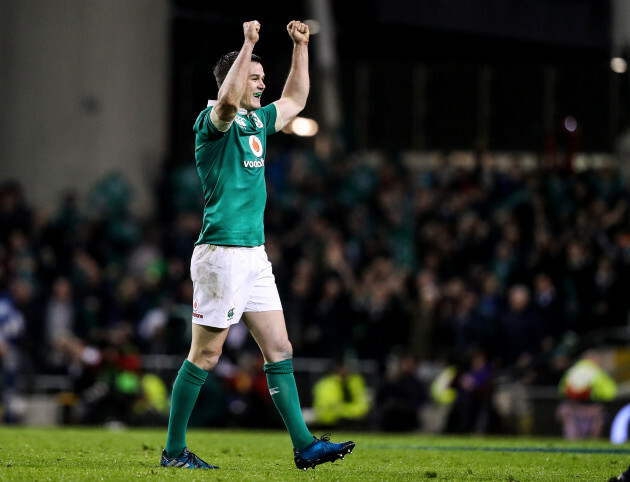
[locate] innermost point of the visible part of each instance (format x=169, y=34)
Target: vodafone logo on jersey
x=256, y=146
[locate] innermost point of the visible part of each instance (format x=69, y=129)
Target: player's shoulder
x=209, y=125
x=268, y=109
x=259, y=117
x=205, y=112
x=199, y=122
x=264, y=115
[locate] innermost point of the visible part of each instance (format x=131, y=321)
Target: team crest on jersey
x=195, y=305
x=256, y=146
x=240, y=121
x=257, y=121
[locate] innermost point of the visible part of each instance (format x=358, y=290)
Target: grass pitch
x=102, y=454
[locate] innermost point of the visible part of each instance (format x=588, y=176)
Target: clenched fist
x=298, y=31
x=250, y=29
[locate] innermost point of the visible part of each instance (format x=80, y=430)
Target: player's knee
x=283, y=351
x=288, y=351
x=206, y=359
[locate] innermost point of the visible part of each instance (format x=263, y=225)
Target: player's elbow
x=225, y=111
x=299, y=104
x=229, y=98
x=294, y=105
x=228, y=101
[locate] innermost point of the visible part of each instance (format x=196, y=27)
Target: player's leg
x=205, y=350
x=269, y=330
x=222, y=279
x=265, y=320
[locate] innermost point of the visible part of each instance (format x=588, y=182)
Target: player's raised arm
x=297, y=86
x=233, y=86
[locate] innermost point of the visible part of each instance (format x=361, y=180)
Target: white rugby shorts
x=231, y=280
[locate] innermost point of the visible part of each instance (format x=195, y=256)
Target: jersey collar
x=239, y=111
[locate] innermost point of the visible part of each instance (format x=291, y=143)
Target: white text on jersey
x=257, y=163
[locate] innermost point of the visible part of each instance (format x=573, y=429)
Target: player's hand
x=298, y=31
x=250, y=30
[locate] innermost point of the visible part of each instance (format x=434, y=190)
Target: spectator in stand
x=520, y=330
x=410, y=248
x=15, y=213
x=422, y=338
x=610, y=303
x=340, y=398
x=11, y=330
x=579, y=282
x=378, y=305
x=59, y=320
x=402, y=395
x=585, y=386
x=473, y=409
x=327, y=335
x=547, y=305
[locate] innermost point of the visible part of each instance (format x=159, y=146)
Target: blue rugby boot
x=320, y=451
x=185, y=460
x=625, y=477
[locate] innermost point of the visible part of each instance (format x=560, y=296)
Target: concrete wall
x=83, y=92
x=620, y=25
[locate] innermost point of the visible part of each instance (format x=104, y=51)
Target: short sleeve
x=205, y=127
x=269, y=115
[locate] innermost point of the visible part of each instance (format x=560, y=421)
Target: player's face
x=255, y=87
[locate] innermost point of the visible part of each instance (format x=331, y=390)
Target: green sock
x=186, y=388
x=284, y=394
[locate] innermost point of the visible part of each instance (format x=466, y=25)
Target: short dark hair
x=223, y=65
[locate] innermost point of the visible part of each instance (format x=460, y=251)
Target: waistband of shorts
x=247, y=248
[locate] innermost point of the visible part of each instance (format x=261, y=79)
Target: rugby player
x=232, y=277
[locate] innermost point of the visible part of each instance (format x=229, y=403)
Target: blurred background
x=448, y=221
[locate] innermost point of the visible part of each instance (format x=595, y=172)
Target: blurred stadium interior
x=466, y=199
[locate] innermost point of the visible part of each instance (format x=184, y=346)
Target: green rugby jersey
x=231, y=166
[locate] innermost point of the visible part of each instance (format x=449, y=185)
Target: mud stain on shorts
x=209, y=281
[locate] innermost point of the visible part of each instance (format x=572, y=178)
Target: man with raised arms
x=232, y=277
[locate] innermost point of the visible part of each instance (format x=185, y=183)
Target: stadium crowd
x=374, y=259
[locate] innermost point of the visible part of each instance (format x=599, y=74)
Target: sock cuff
x=192, y=373
x=281, y=367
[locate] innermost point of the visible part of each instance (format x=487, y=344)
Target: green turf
x=101, y=454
